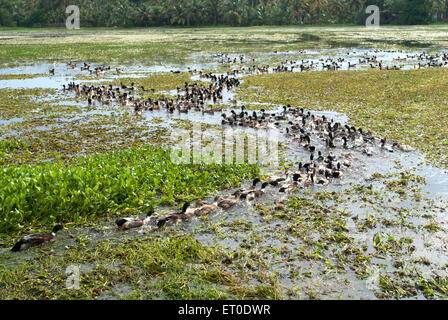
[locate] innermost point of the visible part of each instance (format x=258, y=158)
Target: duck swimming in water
x=130, y=223
x=228, y=203
x=173, y=218
x=33, y=240
x=310, y=178
x=337, y=172
x=205, y=208
x=403, y=147
x=289, y=187
x=257, y=193
x=275, y=180
x=245, y=191
x=384, y=146
x=324, y=181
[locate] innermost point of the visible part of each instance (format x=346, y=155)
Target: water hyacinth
x=97, y=184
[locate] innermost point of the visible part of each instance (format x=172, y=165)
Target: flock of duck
x=316, y=134
x=320, y=169
x=370, y=58
x=191, y=97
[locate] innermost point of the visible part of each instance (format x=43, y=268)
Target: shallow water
x=437, y=179
x=361, y=171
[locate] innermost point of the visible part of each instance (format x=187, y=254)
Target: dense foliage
x=127, y=13
x=94, y=185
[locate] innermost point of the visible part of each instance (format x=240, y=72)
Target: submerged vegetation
x=407, y=105
x=19, y=76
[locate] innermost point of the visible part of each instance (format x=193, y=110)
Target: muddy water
x=271, y=231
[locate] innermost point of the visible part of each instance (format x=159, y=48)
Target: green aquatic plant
x=97, y=184
x=9, y=147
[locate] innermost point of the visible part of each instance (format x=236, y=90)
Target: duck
x=173, y=218
x=208, y=111
x=228, y=203
x=384, y=146
x=310, y=178
x=257, y=193
x=329, y=143
x=368, y=151
x=275, y=180
x=287, y=188
x=359, y=140
x=33, y=240
x=150, y=90
x=346, y=145
x=205, y=208
x=245, y=191
x=225, y=120
x=130, y=223
x=320, y=157
x=403, y=147
x=324, y=181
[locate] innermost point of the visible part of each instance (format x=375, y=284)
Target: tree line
x=146, y=13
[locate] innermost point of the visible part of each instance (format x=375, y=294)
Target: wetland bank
x=377, y=233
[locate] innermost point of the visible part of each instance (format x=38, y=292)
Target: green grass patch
x=19, y=76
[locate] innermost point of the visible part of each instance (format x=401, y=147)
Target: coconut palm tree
x=213, y=8
x=318, y=7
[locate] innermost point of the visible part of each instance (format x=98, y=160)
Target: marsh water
x=272, y=231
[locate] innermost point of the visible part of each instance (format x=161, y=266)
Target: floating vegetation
x=98, y=184
x=407, y=106
x=377, y=233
